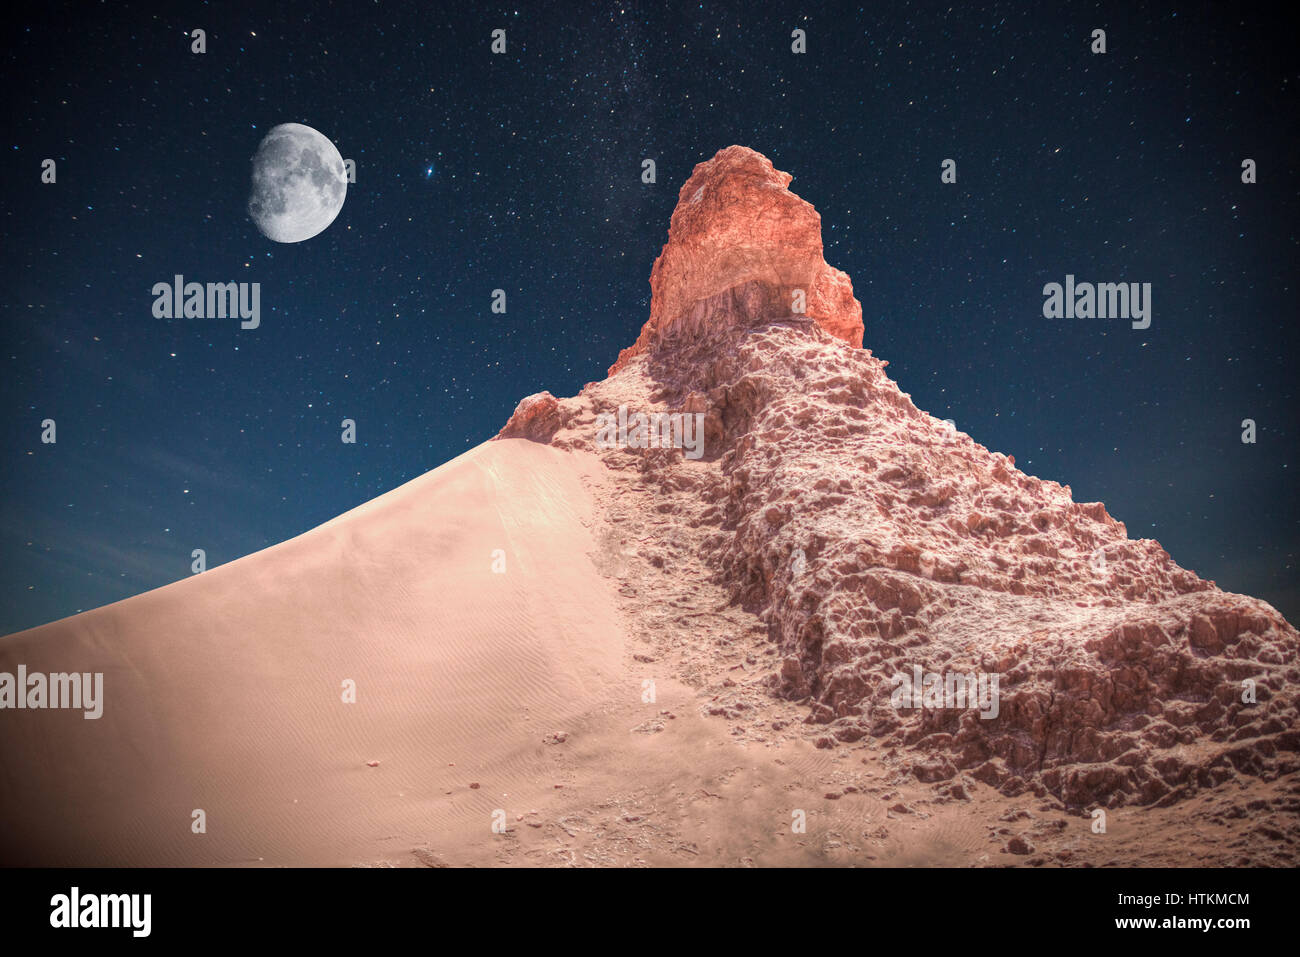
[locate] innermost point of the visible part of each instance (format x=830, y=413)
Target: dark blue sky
x=181, y=434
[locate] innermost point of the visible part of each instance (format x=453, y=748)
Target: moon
x=299, y=184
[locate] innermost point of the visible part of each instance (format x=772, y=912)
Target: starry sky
x=522, y=171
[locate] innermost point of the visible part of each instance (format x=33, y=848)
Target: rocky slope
x=843, y=537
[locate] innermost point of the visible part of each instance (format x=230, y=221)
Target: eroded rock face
x=739, y=246
x=872, y=538
x=867, y=538
x=537, y=418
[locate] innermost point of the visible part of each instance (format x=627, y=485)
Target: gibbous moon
x=299, y=183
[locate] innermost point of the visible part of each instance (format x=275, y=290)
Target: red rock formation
x=866, y=537
x=739, y=245
x=537, y=417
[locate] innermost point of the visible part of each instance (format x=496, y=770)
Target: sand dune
x=224, y=691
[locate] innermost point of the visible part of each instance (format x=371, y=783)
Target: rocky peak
x=863, y=538
x=742, y=249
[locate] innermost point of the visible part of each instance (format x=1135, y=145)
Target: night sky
x=522, y=171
